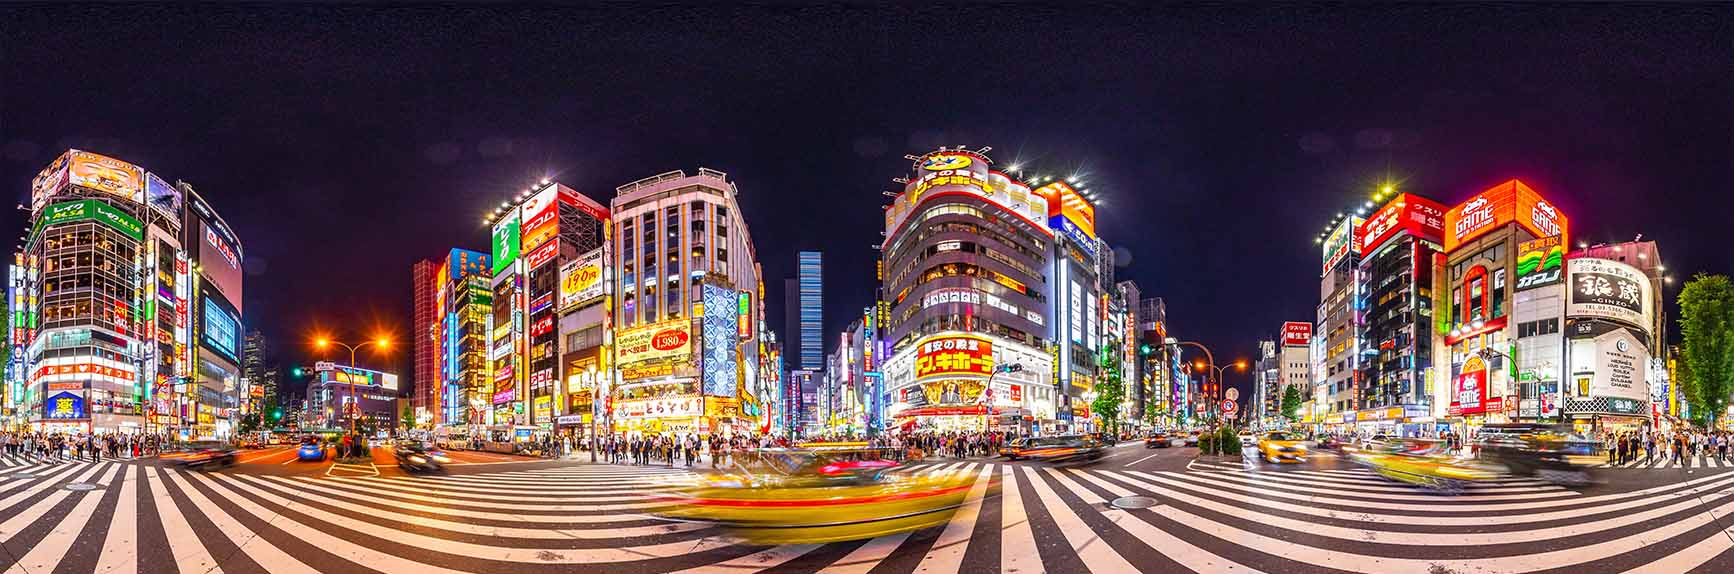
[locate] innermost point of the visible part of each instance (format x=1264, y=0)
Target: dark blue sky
x=345, y=143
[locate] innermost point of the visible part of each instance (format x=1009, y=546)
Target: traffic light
x=1144, y=350
x=295, y=372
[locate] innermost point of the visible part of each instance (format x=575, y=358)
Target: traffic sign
x=1228, y=407
x=1232, y=393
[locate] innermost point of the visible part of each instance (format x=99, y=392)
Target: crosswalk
x=1702, y=460
x=138, y=517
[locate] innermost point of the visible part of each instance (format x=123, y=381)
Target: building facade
x=1335, y=354
x=126, y=302
x=1394, y=296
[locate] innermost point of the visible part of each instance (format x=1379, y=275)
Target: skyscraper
x=425, y=399
x=810, y=280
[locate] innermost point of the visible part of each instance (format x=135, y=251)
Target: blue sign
x=64, y=405
x=1071, y=231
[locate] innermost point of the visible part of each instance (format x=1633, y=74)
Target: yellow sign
x=646, y=371
x=945, y=162
x=665, y=340
x=722, y=407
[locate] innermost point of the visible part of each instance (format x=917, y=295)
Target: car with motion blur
x=1192, y=438
x=1067, y=449
x=1551, y=452
x=1158, y=440
x=202, y=455
x=1014, y=448
x=1281, y=446
x=312, y=450
x=419, y=456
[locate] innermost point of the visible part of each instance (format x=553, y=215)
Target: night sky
x=343, y=144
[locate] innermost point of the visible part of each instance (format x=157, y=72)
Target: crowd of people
x=1644, y=445
x=63, y=447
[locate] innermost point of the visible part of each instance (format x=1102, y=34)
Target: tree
x=1152, y=411
x=1291, y=403
x=1707, y=344
x=249, y=423
x=1110, y=392
x=406, y=419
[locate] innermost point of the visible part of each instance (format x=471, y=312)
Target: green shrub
x=1230, y=443
x=1207, y=444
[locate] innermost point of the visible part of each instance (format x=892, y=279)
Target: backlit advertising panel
x=589, y=206
x=462, y=263
x=506, y=240
x=1469, y=391
x=1508, y=202
x=1540, y=262
x=64, y=406
x=666, y=340
x=969, y=175
x=1339, y=243
x=94, y=171
x=220, y=327
x=951, y=355
x=220, y=261
x=1421, y=217
x=545, y=253
x=1606, y=289
x=1065, y=204
x=1297, y=334
x=164, y=198
x=89, y=210
x=721, y=347
x=581, y=280
x=541, y=218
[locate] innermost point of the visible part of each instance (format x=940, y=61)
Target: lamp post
x=987, y=414
x=379, y=343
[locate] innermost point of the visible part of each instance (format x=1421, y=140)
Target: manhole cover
x=80, y=486
x=1133, y=502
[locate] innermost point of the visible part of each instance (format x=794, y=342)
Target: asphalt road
x=517, y=515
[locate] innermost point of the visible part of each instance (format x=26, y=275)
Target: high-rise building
x=261, y=379
x=347, y=397
x=1154, y=372
x=971, y=280
x=451, y=341
x=424, y=379
x=1614, y=352
x=1398, y=245
x=810, y=281
x=1334, y=341
x=546, y=230
x=688, y=307
x=1477, y=327
x=127, y=304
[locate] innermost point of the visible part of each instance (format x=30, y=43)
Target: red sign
x=66, y=386
x=1017, y=393
x=542, y=326
x=1297, y=334
x=542, y=254
x=87, y=369
x=954, y=355
x=1228, y=407
x=1469, y=392
x=1509, y=202
x=1420, y=216
x=668, y=340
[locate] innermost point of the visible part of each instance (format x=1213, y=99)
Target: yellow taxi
x=1281, y=447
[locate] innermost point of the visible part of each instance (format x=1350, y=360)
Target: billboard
x=94, y=171
x=589, y=206
x=1540, y=262
x=220, y=261
x=89, y=210
x=541, y=218
x=461, y=263
x=1620, y=362
x=1340, y=243
x=666, y=340
x=949, y=355
x=1509, y=202
x=1606, y=289
x=505, y=240
x=972, y=178
x=541, y=255
x=581, y=280
x=220, y=328
x=1297, y=334
x=164, y=198
x=1420, y=216
x=64, y=405
x=1469, y=391
x=721, y=350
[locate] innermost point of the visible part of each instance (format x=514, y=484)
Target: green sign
x=506, y=241
x=89, y=210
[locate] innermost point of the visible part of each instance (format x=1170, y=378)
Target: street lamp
x=379, y=344
x=1216, y=395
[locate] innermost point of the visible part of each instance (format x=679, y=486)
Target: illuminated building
x=688, y=304
x=1335, y=345
x=126, y=305
x=451, y=340
x=261, y=381
x=1476, y=325
x=968, y=268
x=810, y=282
x=1153, y=372
x=546, y=230
x=1614, y=336
x=1398, y=244
x=336, y=396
